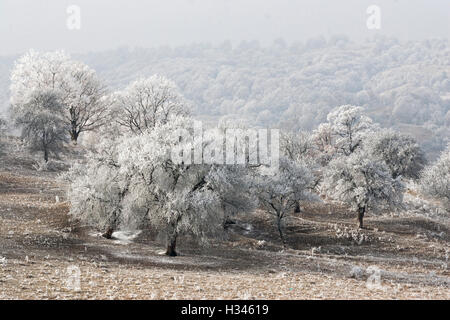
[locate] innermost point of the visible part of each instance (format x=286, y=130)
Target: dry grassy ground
x=328, y=259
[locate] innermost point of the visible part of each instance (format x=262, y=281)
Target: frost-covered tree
x=236, y=180
x=41, y=121
x=79, y=89
x=297, y=145
x=301, y=147
x=97, y=188
x=146, y=103
x=85, y=100
x=179, y=197
x=324, y=141
x=435, y=179
x=37, y=71
x=350, y=126
x=2, y=130
x=150, y=180
x=363, y=183
x=233, y=184
x=400, y=152
x=280, y=190
x=2, y=125
x=323, y=137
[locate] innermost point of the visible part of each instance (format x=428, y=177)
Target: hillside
x=327, y=257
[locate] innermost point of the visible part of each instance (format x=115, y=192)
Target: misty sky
x=106, y=24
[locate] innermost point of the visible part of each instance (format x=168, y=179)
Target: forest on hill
x=403, y=85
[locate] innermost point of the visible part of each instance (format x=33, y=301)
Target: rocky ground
x=45, y=256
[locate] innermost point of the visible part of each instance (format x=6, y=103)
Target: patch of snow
x=125, y=237
x=261, y=243
x=248, y=228
x=95, y=234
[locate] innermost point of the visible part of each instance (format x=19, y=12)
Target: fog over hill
x=404, y=85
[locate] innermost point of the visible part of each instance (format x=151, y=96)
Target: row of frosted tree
x=129, y=179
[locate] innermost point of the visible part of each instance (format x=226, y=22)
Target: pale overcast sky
x=105, y=24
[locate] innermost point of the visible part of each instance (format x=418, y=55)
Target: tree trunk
x=108, y=233
x=297, y=208
x=361, y=212
x=46, y=154
x=227, y=223
x=280, y=231
x=171, y=246
x=74, y=136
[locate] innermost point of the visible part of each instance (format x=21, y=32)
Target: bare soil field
x=397, y=257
